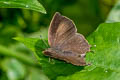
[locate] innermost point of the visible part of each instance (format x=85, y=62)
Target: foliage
x=96, y=74
x=107, y=50
x=114, y=15
x=55, y=67
x=27, y=4
x=18, y=62
x=103, y=59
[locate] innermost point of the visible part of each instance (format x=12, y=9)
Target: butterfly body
x=67, y=56
x=65, y=43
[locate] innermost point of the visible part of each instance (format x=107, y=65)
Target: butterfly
x=65, y=43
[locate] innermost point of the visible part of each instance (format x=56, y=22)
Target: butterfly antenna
x=43, y=41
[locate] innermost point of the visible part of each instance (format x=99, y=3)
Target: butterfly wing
x=76, y=44
x=62, y=35
x=61, y=29
x=66, y=44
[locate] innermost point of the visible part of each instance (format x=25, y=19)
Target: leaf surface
x=26, y=4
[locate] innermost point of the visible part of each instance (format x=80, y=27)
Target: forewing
x=61, y=29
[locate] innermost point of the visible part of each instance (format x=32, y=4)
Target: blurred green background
x=16, y=61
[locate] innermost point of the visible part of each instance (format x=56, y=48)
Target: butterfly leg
x=51, y=60
x=92, y=46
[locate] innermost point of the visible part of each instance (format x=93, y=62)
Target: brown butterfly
x=65, y=43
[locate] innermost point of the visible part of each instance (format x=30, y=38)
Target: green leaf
x=105, y=57
x=35, y=44
x=114, y=15
x=26, y=4
x=104, y=61
x=51, y=67
x=107, y=51
x=96, y=74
